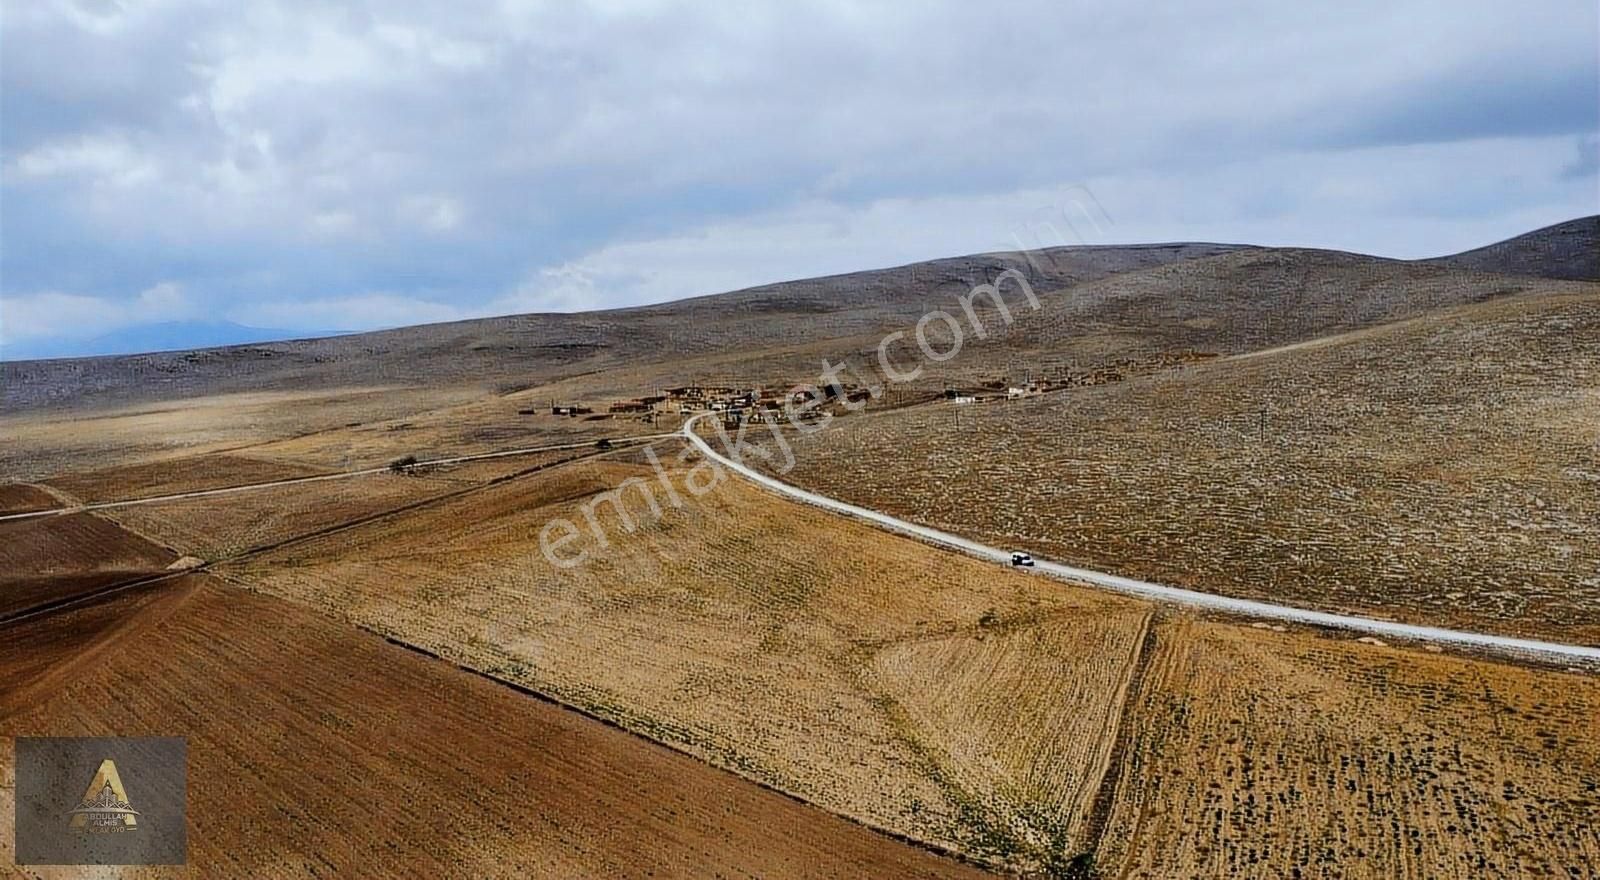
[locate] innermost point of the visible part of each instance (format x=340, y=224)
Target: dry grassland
x=1444, y=470
x=215, y=528
x=1288, y=755
x=45, y=443
x=752, y=632
x=48, y=558
x=487, y=424
x=317, y=749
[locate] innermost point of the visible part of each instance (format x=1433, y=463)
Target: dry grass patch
x=1024, y=714
x=47, y=442
x=219, y=527
x=487, y=424
x=177, y=475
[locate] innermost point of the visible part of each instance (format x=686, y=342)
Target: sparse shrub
x=403, y=465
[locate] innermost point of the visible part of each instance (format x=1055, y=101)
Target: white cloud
x=75, y=316
x=367, y=311
x=166, y=299
x=104, y=160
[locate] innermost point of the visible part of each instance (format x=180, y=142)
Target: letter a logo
x=105, y=806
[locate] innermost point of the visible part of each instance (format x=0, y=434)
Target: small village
x=740, y=404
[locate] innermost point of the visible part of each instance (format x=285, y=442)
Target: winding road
x=1503, y=645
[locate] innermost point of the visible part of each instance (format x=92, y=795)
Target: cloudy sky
x=350, y=165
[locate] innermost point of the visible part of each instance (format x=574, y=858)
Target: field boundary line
x=1510, y=646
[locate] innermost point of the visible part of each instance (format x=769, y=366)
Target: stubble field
x=50, y=442
x=173, y=476
x=220, y=527
x=767, y=638
x=1289, y=755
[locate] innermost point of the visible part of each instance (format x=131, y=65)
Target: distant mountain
x=1104, y=303
x=1569, y=250
x=165, y=336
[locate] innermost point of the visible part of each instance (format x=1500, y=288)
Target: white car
x=1022, y=559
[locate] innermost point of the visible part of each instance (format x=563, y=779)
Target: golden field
x=767, y=638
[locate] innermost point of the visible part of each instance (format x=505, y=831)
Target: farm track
x=1105, y=797
x=80, y=599
x=1526, y=649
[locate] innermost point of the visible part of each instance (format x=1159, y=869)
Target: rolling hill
x=1569, y=250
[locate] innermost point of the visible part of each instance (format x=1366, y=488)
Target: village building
x=569, y=410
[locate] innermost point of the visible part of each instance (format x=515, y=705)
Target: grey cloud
x=290, y=151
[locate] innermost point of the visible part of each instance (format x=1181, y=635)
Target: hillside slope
x=1439, y=469
x=1568, y=250
x=526, y=349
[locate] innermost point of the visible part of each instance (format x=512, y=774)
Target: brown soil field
x=1288, y=755
x=1443, y=470
x=314, y=748
x=23, y=498
x=215, y=527
x=176, y=475
x=49, y=558
x=755, y=633
x=45, y=653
